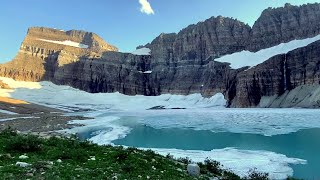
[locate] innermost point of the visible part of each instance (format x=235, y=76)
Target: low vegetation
x=31, y=157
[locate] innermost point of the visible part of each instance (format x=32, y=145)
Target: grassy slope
x=110, y=162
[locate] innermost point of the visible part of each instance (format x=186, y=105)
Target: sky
x=123, y=23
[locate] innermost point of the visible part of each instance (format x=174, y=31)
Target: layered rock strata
x=183, y=63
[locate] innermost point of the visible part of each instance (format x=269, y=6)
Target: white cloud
x=146, y=7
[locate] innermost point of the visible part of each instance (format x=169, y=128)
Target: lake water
x=304, y=144
x=274, y=141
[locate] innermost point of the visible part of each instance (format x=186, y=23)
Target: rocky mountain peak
x=60, y=39
x=283, y=24
x=288, y=5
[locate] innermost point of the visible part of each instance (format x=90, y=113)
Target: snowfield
x=240, y=161
x=145, y=72
x=47, y=93
x=7, y=112
x=247, y=58
x=142, y=51
x=67, y=43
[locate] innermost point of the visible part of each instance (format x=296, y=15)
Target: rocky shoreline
x=32, y=118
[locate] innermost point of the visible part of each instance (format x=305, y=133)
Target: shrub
x=132, y=150
x=78, y=155
x=185, y=160
x=169, y=156
x=8, y=132
x=128, y=167
x=228, y=175
x=213, y=166
x=253, y=174
x=121, y=155
x=23, y=143
x=150, y=153
x=292, y=178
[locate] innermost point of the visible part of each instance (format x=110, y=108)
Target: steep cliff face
x=278, y=25
x=112, y=72
x=215, y=37
x=274, y=79
x=219, y=36
x=183, y=63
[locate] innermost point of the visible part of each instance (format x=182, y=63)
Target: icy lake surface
x=281, y=142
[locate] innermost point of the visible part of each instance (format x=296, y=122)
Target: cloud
x=146, y=7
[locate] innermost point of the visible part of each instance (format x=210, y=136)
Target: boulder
x=23, y=157
x=22, y=164
x=193, y=169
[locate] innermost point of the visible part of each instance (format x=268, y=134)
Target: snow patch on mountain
x=247, y=58
x=142, y=51
x=67, y=43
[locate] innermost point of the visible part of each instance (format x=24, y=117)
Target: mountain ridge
x=180, y=63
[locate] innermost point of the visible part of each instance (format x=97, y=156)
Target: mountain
x=187, y=62
x=218, y=36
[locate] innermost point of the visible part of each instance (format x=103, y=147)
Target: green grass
x=110, y=162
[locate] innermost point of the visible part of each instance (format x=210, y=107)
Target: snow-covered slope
x=247, y=58
x=49, y=93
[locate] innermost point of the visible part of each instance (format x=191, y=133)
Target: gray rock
x=286, y=80
x=193, y=169
x=22, y=164
x=277, y=25
x=3, y=85
x=23, y=157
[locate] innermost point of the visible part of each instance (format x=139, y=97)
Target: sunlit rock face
x=4, y=85
x=40, y=52
x=79, y=59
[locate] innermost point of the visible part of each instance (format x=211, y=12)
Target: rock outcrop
x=111, y=72
x=279, y=25
x=39, y=52
x=4, y=85
x=183, y=63
x=285, y=80
x=219, y=36
x=215, y=37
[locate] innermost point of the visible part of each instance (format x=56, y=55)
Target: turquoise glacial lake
x=292, y=137
x=304, y=144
